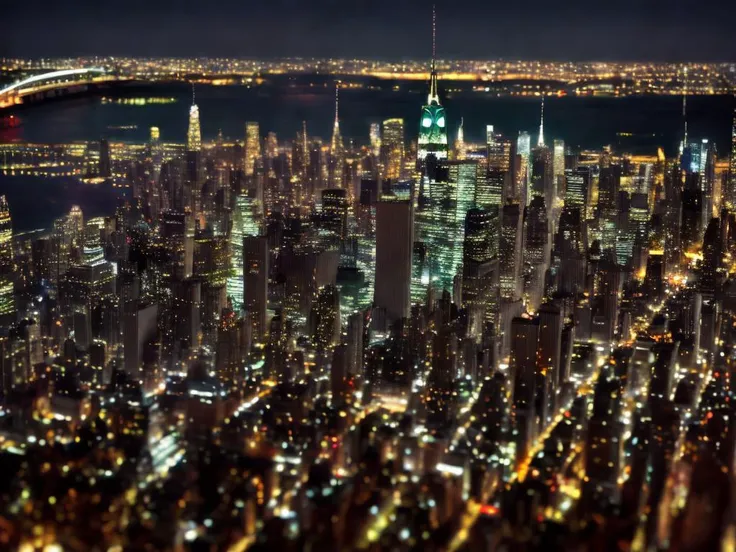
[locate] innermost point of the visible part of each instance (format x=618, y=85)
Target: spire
x=194, y=97
x=434, y=97
x=684, y=111
x=540, y=142
x=337, y=104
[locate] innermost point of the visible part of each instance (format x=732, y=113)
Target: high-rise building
x=394, y=247
x=335, y=211
x=536, y=251
x=577, y=189
x=252, y=149
x=255, y=282
x=523, y=176
x=509, y=251
x=480, y=266
x=392, y=148
x=375, y=135
x=432, y=122
x=244, y=224
x=194, y=133
x=558, y=165
x=337, y=148
x=730, y=194
x=460, y=142
x=194, y=173
x=7, y=304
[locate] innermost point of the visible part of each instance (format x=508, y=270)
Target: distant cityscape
x=512, y=77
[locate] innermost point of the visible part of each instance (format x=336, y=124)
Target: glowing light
x=51, y=75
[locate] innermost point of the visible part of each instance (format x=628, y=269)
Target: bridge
x=56, y=84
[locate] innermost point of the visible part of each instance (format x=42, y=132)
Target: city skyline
x=385, y=335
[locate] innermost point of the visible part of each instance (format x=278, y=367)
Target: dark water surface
x=636, y=124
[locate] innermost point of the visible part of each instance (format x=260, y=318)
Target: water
x=581, y=122
x=35, y=202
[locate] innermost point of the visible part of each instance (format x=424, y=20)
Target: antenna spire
x=337, y=103
x=540, y=142
x=434, y=37
x=434, y=97
x=193, y=96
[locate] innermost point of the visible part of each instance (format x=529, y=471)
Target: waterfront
x=589, y=122
x=634, y=124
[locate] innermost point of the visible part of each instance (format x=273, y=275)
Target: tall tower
x=194, y=134
x=255, y=282
x=7, y=306
x=731, y=188
x=193, y=189
x=337, y=150
x=540, y=141
x=252, y=146
x=432, y=124
x=460, y=142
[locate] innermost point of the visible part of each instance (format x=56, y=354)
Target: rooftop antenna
x=684, y=109
x=540, y=141
x=434, y=97
x=193, y=96
x=434, y=37
x=337, y=102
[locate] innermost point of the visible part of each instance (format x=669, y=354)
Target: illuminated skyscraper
x=244, y=224
x=194, y=133
x=252, y=150
x=558, y=165
x=510, y=251
x=540, y=141
x=392, y=148
x=193, y=184
x=432, y=123
x=577, y=189
x=524, y=150
x=7, y=306
x=480, y=266
x=731, y=188
x=337, y=148
x=460, y=142
x=375, y=135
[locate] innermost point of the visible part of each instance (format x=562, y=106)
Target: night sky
x=666, y=30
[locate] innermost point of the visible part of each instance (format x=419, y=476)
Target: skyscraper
x=510, y=251
x=432, y=123
x=460, y=142
x=255, y=282
x=375, y=135
x=7, y=305
x=194, y=133
x=252, y=150
x=523, y=150
x=392, y=148
x=192, y=189
x=731, y=191
x=244, y=224
x=337, y=149
x=394, y=246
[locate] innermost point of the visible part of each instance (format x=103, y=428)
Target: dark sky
x=671, y=30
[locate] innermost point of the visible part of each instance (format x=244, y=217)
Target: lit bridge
x=56, y=84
